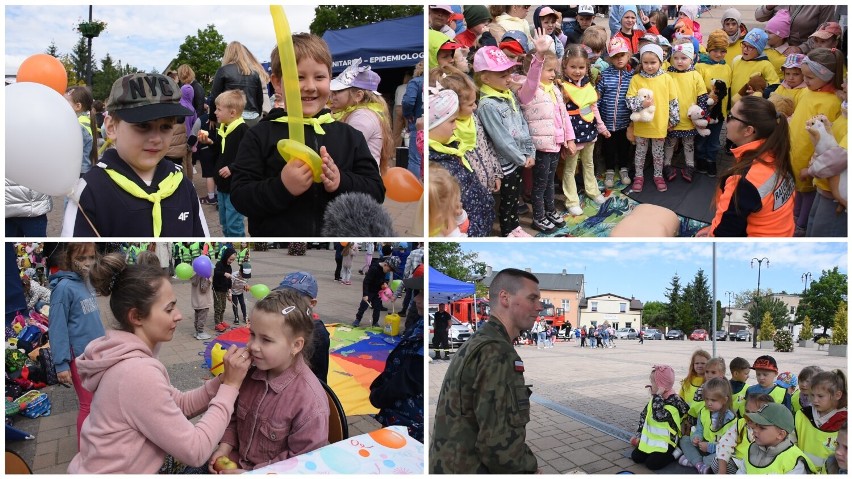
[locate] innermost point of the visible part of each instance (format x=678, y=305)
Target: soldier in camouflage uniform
x=484, y=403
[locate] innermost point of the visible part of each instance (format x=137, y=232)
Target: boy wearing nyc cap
x=131, y=191
x=765, y=371
x=773, y=450
x=305, y=284
x=281, y=198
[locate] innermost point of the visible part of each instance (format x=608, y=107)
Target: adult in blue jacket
x=74, y=319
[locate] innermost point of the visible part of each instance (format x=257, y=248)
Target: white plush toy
x=646, y=114
x=819, y=128
x=696, y=114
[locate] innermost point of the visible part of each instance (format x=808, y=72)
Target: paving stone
x=581, y=456
x=43, y=461
x=547, y=454
x=54, y=421
x=562, y=464
x=46, y=447
x=546, y=443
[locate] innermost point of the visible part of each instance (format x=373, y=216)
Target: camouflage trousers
x=219, y=299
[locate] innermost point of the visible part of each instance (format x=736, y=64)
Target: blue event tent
x=391, y=43
x=444, y=289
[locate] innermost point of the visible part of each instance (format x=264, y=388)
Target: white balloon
x=44, y=142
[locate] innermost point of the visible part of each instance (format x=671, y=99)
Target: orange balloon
x=343, y=243
x=388, y=438
x=401, y=185
x=45, y=69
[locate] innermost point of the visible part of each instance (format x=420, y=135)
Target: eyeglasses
x=732, y=117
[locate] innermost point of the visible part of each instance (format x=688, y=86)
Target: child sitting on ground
x=836, y=464
x=690, y=387
x=739, y=375
x=788, y=381
x=657, y=435
x=280, y=386
x=714, y=419
x=765, y=370
x=773, y=450
x=801, y=399
x=818, y=425
x=732, y=447
x=131, y=192
x=282, y=199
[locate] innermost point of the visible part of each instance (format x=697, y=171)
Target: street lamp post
x=729, y=294
x=89, y=63
x=757, y=296
x=806, y=278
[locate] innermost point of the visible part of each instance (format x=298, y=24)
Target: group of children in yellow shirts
x=784, y=424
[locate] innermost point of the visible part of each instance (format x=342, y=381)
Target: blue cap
x=758, y=39
x=301, y=281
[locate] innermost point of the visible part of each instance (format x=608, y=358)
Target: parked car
x=675, y=334
x=626, y=333
x=743, y=335
x=319, y=245
x=698, y=335
x=652, y=333
x=459, y=332
x=721, y=335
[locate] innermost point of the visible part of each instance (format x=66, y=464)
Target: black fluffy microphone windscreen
x=356, y=215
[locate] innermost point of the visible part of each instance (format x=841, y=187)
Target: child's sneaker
x=608, y=182
x=711, y=169
x=523, y=208
x=702, y=468
x=677, y=453
x=683, y=461
x=221, y=327
x=625, y=178
x=638, y=184
x=207, y=201
x=518, y=233
x=544, y=225
x=661, y=184
x=669, y=173
x=701, y=165
x=575, y=211
x=599, y=200
x=202, y=336
x=687, y=173
x=556, y=219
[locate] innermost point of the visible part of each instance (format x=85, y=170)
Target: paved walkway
x=586, y=403
x=56, y=443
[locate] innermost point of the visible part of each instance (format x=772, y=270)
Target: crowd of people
x=713, y=422
x=518, y=109
x=230, y=135
x=283, y=366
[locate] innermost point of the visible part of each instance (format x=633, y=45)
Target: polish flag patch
x=519, y=366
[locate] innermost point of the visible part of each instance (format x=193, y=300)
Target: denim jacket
x=508, y=131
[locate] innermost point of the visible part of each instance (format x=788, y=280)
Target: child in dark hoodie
x=222, y=287
x=74, y=320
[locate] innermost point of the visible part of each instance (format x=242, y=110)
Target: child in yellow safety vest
x=817, y=426
x=732, y=447
x=714, y=419
x=773, y=450
x=740, y=369
x=801, y=399
x=658, y=432
x=766, y=369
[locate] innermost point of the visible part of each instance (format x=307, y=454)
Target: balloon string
x=80, y=208
x=290, y=75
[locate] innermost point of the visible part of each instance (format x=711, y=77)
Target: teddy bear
x=698, y=117
x=645, y=114
x=754, y=86
x=783, y=105
x=717, y=95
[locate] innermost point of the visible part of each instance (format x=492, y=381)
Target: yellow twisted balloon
x=293, y=148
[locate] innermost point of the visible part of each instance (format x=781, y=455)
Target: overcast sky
x=145, y=36
x=644, y=270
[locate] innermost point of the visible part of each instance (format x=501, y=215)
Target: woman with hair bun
x=138, y=417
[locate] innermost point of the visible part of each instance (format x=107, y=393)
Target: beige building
x=617, y=311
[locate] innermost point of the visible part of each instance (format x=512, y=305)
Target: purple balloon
x=203, y=266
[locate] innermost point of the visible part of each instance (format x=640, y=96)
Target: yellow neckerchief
x=315, y=122
x=103, y=148
x=438, y=146
x=466, y=133
x=165, y=189
x=372, y=106
x=506, y=95
x=225, y=130
x=548, y=88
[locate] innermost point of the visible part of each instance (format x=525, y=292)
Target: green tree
x=103, y=78
x=79, y=61
x=774, y=307
x=68, y=63
x=674, y=295
x=744, y=298
x=823, y=298
x=449, y=259
x=338, y=17
x=767, y=328
x=653, y=314
x=700, y=304
x=838, y=330
x=720, y=316
x=52, y=50
x=807, y=331
x=203, y=52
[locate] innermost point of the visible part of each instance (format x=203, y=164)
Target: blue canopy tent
x=444, y=289
x=395, y=43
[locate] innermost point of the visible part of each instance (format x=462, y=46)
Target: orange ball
x=45, y=69
x=401, y=185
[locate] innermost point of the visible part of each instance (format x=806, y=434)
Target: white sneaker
x=202, y=336
x=599, y=199
x=625, y=179
x=575, y=211
x=610, y=175
x=518, y=233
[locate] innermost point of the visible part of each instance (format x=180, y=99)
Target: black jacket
x=115, y=212
x=220, y=282
x=257, y=191
x=373, y=279
x=227, y=157
x=228, y=77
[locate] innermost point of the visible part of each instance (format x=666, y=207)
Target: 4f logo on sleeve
x=183, y=216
